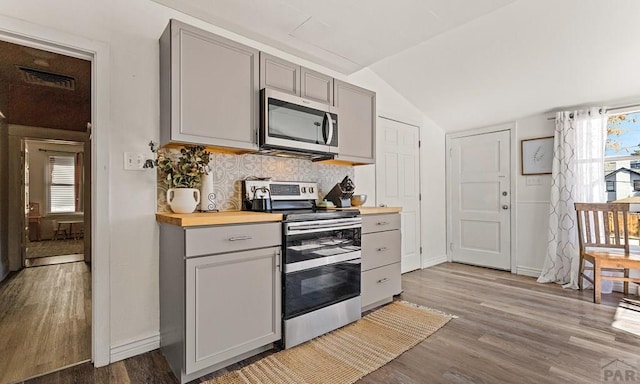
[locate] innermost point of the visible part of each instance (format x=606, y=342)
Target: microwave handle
x=329, y=137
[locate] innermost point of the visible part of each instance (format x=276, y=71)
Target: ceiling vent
x=47, y=79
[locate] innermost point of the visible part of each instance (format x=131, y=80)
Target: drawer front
x=379, y=249
x=377, y=223
x=380, y=283
x=231, y=238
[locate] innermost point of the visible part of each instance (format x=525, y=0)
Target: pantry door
x=480, y=200
x=398, y=175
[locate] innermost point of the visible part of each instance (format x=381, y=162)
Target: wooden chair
x=604, y=241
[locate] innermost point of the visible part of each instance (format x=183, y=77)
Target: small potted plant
x=183, y=176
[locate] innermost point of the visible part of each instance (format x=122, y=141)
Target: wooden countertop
x=216, y=218
x=244, y=217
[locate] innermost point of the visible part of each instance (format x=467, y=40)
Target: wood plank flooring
x=45, y=320
x=509, y=329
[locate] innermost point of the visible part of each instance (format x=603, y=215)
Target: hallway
x=45, y=320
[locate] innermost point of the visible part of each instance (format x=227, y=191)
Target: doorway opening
x=54, y=189
x=45, y=299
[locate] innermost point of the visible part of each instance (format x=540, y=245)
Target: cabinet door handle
x=382, y=223
x=382, y=249
x=384, y=280
x=237, y=238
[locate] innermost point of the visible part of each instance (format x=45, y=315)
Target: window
x=622, y=154
x=61, y=184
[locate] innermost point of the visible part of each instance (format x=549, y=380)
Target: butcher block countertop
x=216, y=218
x=244, y=217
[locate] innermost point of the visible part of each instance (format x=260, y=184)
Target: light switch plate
x=134, y=161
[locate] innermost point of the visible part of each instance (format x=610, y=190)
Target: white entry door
x=398, y=175
x=480, y=200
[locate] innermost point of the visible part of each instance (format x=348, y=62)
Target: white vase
x=207, y=196
x=183, y=200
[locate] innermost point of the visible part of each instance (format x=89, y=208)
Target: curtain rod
x=610, y=109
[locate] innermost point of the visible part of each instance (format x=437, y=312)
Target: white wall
x=131, y=29
x=532, y=201
x=391, y=104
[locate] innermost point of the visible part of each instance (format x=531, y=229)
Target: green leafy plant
x=186, y=171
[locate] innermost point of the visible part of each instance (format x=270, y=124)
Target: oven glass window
x=315, y=288
x=309, y=246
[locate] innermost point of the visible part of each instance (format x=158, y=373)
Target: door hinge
x=419, y=143
x=450, y=152
x=451, y=246
x=419, y=196
x=421, y=249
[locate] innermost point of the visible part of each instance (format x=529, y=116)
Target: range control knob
x=310, y=189
x=303, y=189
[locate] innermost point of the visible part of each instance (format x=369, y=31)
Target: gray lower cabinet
x=356, y=121
x=381, y=254
x=220, y=295
x=208, y=89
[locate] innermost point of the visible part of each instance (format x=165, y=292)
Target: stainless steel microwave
x=293, y=125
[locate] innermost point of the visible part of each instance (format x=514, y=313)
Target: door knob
x=505, y=206
x=504, y=193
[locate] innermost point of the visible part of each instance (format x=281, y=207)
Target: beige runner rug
x=347, y=354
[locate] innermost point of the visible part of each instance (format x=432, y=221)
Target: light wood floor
x=45, y=320
x=510, y=329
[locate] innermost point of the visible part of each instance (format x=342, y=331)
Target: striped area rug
x=346, y=354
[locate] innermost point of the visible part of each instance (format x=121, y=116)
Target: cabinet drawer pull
x=384, y=280
x=237, y=238
x=382, y=249
x=382, y=223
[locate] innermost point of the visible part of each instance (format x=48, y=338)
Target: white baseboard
x=528, y=271
x=430, y=262
x=136, y=347
x=618, y=286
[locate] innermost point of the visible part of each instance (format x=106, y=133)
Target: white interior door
x=480, y=200
x=398, y=175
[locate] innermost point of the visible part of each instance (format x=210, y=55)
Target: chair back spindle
x=603, y=225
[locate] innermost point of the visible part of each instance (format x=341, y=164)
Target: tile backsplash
x=229, y=171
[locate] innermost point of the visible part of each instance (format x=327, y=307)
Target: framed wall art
x=537, y=156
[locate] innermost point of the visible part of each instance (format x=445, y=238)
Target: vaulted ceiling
x=463, y=63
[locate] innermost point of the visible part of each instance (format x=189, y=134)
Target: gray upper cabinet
x=316, y=86
x=285, y=76
x=276, y=73
x=208, y=89
x=356, y=122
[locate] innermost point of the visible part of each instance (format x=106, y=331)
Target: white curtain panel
x=577, y=176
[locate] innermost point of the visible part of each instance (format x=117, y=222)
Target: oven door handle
x=298, y=231
x=322, y=225
x=347, y=258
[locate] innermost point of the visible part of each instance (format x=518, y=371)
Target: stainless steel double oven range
x=321, y=254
